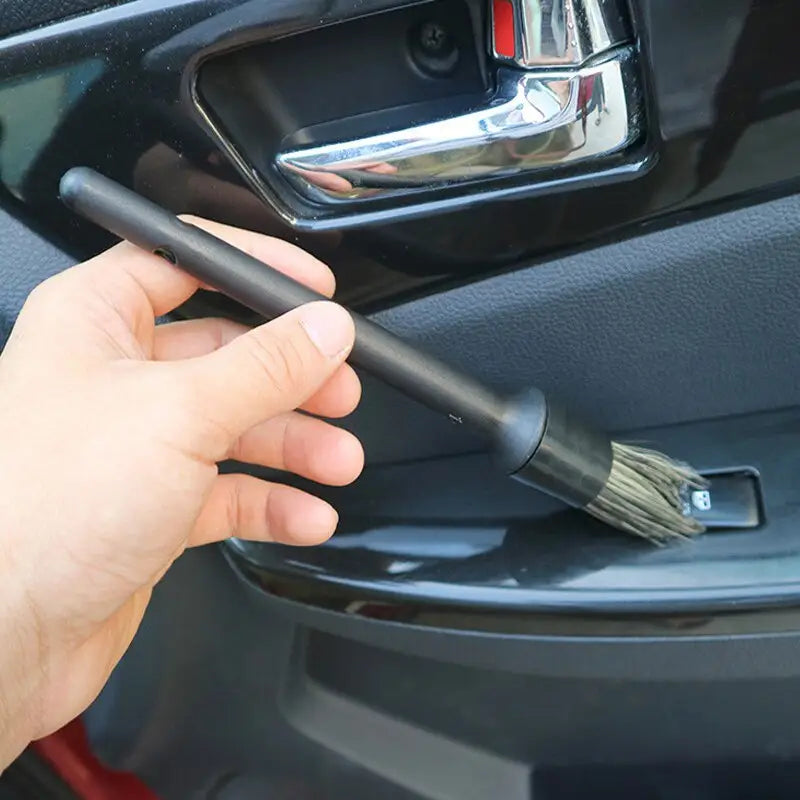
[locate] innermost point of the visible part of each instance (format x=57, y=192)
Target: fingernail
x=329, y=327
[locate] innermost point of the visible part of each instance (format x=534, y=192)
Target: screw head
x=433, y=37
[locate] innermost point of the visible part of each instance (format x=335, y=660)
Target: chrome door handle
x=537, y=120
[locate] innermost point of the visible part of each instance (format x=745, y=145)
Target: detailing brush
x=539, y=443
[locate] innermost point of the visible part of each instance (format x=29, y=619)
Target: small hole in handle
x=166, y=254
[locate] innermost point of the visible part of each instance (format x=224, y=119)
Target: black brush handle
x=271, y=293
x=539, y=444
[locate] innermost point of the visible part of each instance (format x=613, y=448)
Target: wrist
x=22, y=667
x=17, y=724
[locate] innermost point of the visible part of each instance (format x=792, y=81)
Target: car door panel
x=158, y=139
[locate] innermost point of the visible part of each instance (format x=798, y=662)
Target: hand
x=111, y=432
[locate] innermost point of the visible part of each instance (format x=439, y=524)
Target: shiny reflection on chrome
x=551, y=33
x=536, y=121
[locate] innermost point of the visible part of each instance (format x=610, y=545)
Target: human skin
x=112, y=430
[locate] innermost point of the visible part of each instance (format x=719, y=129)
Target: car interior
x=596, y=197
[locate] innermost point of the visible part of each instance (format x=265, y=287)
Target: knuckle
x=53, y=300
x=281, y=363
x=45, y=293
x=63, y=292
x=188, y=417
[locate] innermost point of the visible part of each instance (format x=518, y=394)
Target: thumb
x=272, y=369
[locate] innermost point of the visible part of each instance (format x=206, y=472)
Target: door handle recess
x=537, y=120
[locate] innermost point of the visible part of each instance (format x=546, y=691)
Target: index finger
x=164, y=286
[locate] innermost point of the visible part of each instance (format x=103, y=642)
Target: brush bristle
x=646, y=494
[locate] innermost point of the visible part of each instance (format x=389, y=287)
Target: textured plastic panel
x=226, y=694
x=692, y=322
x=26, y=259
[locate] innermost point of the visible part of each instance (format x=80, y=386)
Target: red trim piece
x=68, y=753
x=504, y=28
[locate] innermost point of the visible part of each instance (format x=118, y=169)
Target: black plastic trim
x=523, y=556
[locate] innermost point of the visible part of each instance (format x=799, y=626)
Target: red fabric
x=69, y=755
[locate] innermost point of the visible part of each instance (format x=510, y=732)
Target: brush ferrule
x=545, y=446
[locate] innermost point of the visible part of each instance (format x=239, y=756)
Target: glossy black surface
x=722, y=121
x=462, y=537
x=16, y=16
x=271, y=98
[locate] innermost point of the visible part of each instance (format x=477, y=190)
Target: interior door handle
x=536, y=121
